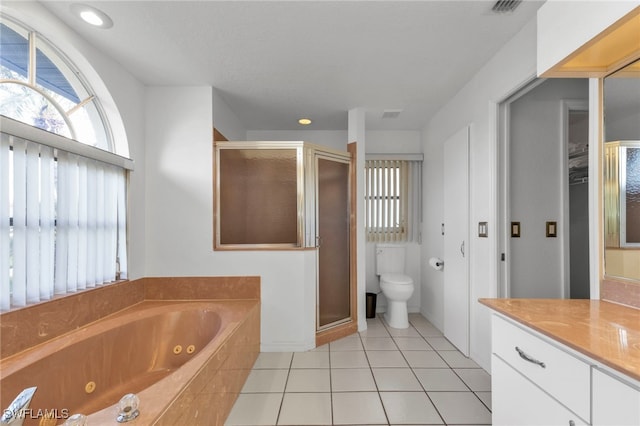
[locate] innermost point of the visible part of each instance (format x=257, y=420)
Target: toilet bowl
x=395, y=285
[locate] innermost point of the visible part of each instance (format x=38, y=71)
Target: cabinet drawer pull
x=526, y=357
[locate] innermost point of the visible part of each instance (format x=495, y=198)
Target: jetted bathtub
x=166, y=352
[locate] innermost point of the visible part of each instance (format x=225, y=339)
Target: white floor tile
x=310, y=360
x=424, y=359
x=476, y=378
x=255, y=409
x=352, y=379
x=357, y=408
x=323, y=348
x=440, y=344
x=396, y=379
x=273, y=360
x=412, y=344
x=409, y=408
x=305, y=409
x=350, y=343
x=349, y=359
x=260, y=381
x=439, y=379
x=403, y=332
x=312, y=380
x=379, y=344
x=428, y=331
x=386, y=359
x=375, y=331
x=455, y=359
x=485, y=397
x=460, y=408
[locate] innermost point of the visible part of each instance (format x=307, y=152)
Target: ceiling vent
x=504, y=6
x=391, y=113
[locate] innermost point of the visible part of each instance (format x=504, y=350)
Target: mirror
x=622, y=172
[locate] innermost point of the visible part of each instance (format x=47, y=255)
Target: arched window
x=39, y=87
x=62, y=188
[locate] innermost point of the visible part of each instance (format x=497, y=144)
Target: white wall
x=476, y=104
x=179, y=220
x=537, y=158
x=225, y=120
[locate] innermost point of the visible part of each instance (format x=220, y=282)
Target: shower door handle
x=462, y=248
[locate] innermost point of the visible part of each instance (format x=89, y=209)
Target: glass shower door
x=332, y=227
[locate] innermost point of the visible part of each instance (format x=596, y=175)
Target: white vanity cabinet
x=615, y=402
x=535, y=382
x=564, y=362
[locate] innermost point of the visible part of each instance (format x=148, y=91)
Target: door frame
x=503, y=186
x=349, y=326
x=567, y=105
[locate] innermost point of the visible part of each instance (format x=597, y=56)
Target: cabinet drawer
x=560, y=374
x=518, y=402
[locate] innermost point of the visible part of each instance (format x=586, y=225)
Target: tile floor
x=381, y=376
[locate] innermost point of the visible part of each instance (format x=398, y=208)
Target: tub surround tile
x=32, y=325
x=193, y=288
x=35, y=324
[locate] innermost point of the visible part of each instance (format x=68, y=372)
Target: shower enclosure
x=291, y=196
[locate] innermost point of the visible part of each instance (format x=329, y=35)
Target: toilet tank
x=389, y=259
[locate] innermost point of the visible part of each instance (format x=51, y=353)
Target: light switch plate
x=483, y=229
x=515, y=229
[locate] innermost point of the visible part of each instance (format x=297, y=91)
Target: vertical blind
x=393, y=200
x=62, y=222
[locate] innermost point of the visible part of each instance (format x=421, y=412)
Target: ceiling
x=276, y=61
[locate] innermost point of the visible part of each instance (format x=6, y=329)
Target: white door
x=456, y=240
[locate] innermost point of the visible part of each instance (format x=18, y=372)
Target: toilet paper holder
x=436, y=263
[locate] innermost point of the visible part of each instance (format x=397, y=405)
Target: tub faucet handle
x=14, y=414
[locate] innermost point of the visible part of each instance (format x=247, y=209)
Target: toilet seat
x=399, y=279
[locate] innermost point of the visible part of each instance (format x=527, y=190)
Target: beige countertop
x=604, y=331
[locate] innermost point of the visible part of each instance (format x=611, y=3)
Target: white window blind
x=393, y=200
x=62, y=222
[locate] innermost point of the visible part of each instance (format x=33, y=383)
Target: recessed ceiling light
x=91, y=15
x=304, y=121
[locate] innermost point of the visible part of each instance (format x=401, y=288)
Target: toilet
x=395, y=285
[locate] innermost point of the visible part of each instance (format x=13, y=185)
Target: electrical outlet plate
x=552, y=229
